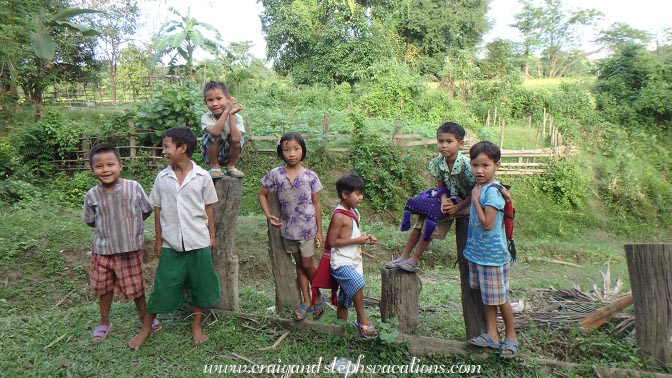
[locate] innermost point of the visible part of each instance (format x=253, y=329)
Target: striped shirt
x=117, y=217
x=184, y=223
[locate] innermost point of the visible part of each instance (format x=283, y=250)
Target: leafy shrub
x=70, y=190
x=8, y=158
x=390, y=175
x=390, y=91
x=564, y=183
x=13, y=191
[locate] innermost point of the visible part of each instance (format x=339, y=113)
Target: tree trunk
x=229, y=193
x=650, y=269
x=400, y=292
x=287, y=292
x=472, y=304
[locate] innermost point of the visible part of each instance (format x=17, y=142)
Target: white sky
x=238, y=20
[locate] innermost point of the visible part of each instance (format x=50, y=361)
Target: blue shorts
x=350, y=282
x=224, y=146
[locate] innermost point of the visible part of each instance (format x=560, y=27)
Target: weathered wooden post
x=650, y=269
x=287, y=292
x=229, y=192
x=399, y=296
x=472, y=304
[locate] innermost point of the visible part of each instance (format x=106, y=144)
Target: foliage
x=391, y=90
x=69, y=190
x=564, y=183
x=171, y=106
x=390, y=176
x=133, y=70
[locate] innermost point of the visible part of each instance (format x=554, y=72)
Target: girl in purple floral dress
x=300, y=222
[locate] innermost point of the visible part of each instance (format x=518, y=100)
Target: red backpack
x=509, y=215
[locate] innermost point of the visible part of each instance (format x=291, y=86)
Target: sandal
x=101, y=331
x=408, y=266
x=301, y=312
x=234, y=172
x=156, y=326
x=216, y=173
x=394, y=264
x=318, y=309
x=510, y=345
x=367, y=331
x=485, y=341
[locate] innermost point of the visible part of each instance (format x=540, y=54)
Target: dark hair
x=215, y=85
x=182, y=135
x=488, y=148
x=349, y=183
x=101, y=149
x=451, y=128
x=292, y=135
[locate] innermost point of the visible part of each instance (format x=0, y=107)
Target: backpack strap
x=500, y=188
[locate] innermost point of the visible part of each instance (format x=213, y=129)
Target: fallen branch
x=553, y=261
x=64, y=298
x=275, y=344
x=603, y=314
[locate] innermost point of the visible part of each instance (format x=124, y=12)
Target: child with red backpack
x=487, y=251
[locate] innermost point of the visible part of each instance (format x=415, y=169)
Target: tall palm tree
x=180, y=38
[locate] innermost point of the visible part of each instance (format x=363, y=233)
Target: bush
x=564, y=182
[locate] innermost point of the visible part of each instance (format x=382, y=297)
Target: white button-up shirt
x=184, y=223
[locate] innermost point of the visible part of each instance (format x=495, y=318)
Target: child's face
x=215, y=100
x=483, y=168
x=291, y=152
x=171, y=152
x=354, y=199
x=448, y=145
x=106, y=167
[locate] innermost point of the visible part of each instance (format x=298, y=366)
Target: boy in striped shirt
x=116, y=209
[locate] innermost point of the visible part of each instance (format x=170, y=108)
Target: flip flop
x=366, y=328
x=394, y=264
x=216, y=173
x=301, y=312
x=408, y=266
x=485, y=341
x=234, y=172
x=156, y=326
x=101, y=331
x=511, y=345
x=315, y=309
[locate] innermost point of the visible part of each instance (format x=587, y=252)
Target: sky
x=238, y=20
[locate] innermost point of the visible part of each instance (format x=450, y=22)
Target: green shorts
x=194, y=268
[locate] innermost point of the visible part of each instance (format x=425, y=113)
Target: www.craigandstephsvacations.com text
x=341, y=366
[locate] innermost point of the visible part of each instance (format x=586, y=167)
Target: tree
x=133, y=69
x=500, y=59
x=182, y=38
x=116, y=28
x=554, y=30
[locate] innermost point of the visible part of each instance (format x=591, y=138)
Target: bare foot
x=136, y=342
x=197, y=333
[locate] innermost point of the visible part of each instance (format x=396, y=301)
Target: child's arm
x=210, y=212
x=485, y=215
x=158, y=241
x=263, y=202
x=341, y=231
x=234, y=107
x=318, y=217
x=216, y=129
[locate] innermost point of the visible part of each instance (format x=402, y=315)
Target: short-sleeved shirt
x=184, y=223
x=117, y=216
x=459, y=181
x=487, y=247
x=296, y=201
x=209, y=119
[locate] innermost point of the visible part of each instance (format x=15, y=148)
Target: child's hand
x=213, y=244
x=319, y=241
x=447, y=206
x=476, y=193
x=232, y=105
x=371, y=240
x=274, y=221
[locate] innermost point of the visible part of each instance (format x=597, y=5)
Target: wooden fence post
x=650, y=269
x=86, y=150
x=472, y=304
x=325, y=132
x=229, y=193
x=399, y=296
x=287, y=292
x=131, y=138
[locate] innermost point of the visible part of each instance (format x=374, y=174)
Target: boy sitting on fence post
x=453, y=172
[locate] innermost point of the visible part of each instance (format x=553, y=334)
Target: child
x=346, y=242
x=182, y=197
x=116, y=208
x=453, y=172
x=222, y=127
x=486, y=250
x=301, y=214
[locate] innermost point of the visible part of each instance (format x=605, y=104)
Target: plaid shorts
x=121, y=272
x=225, y=145
x=493, y=281
x=350, y=282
